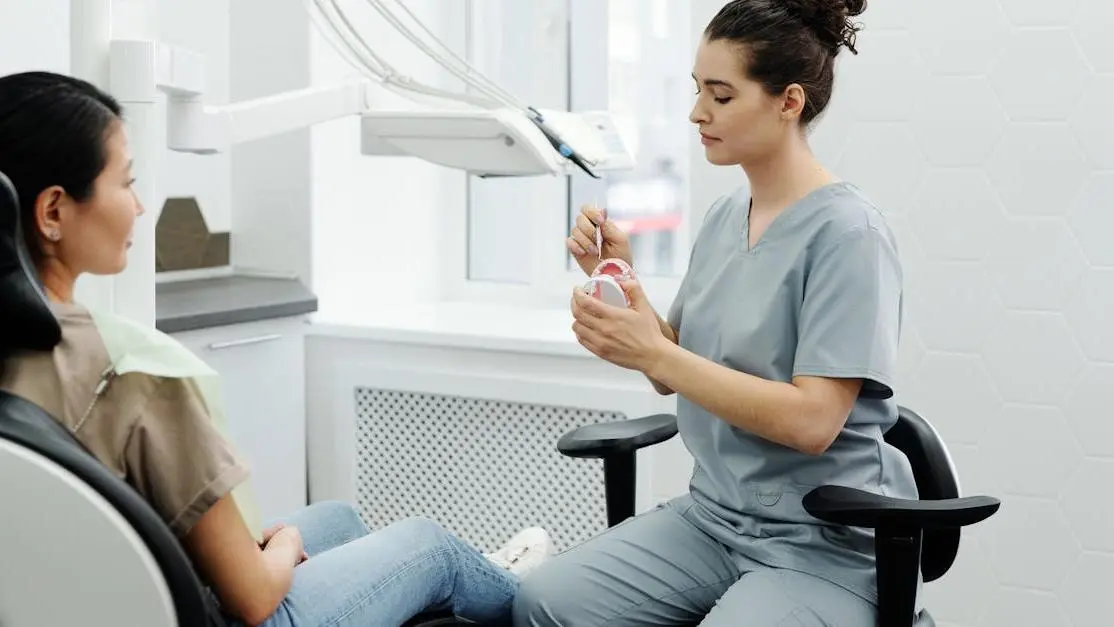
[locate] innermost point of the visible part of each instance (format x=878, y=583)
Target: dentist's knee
x=548, y=597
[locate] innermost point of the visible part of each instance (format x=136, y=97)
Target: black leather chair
x=80, y=545
x=910, y=535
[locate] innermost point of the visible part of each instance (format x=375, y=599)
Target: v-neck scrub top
x=820, y=294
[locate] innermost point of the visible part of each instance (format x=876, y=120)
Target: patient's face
x=98, y=232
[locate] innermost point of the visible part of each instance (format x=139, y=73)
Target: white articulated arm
x=483, y=129
x=195, y=127
x=489, y=135
x=192, y=126
x=496, y=135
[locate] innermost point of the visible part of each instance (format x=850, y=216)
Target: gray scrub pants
x=661, y=569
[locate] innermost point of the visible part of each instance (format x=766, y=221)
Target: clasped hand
x=291, y=535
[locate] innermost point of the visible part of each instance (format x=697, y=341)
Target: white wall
x=376, y=219
x=258, y=190
x=36, y=39
x=983, y=129
x=203, y=26
x=36, y=36
x=271, y=203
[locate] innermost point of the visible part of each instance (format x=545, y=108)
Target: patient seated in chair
x=153, y=416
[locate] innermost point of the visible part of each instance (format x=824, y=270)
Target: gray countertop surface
x=210, y=302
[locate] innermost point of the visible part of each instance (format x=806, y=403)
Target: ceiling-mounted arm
x=485, y=141
x=194, y=127
x=197, y=128
x=573, y=141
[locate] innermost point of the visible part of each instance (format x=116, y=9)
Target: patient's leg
x=358, y=577
x=390, y=575
x=326, y=525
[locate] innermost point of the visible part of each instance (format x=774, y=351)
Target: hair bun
x=855, y=7
x=830, y=20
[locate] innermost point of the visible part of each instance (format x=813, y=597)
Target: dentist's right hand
x=581, y=243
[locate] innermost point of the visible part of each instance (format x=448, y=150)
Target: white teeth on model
x=625, y=271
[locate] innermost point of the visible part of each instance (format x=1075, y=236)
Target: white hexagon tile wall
x=985, y=130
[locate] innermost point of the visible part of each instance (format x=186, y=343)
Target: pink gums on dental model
x=604, y=283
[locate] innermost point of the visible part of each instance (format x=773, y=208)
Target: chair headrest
x=26, y=321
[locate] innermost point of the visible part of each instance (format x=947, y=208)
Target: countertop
x=216, y=301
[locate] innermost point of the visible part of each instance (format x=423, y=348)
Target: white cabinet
x=262, y=367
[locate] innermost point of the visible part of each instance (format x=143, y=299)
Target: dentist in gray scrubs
x=781, y=347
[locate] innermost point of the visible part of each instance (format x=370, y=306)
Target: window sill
x=492, y=327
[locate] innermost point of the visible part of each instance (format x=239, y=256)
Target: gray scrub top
x=819, y=294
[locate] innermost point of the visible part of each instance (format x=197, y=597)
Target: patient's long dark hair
x=53, y=130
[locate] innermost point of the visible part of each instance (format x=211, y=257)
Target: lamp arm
x=195, y=127
x=145, y=71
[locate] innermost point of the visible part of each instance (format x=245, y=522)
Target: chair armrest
x=859, y=508
x=621, y=436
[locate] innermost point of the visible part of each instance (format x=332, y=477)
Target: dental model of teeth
x=604, y=283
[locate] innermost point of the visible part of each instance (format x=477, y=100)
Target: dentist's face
x=738, y=120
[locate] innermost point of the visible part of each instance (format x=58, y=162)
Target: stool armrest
x=859, y=508
x=621, y=436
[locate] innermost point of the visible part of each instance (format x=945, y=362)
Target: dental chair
x=81, y=547
x=78, y=546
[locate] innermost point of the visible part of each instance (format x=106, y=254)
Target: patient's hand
x=273, y=530
x=270, y=532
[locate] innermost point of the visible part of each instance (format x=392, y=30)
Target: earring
x=54, y=236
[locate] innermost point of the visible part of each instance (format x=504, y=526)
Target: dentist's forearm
x=805, y=414
x=670, y=334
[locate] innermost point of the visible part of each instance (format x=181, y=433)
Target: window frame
x=582, y=85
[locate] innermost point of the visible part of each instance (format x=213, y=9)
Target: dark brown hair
x=790, y=41
x=52, y=132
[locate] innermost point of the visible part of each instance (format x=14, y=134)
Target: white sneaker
x=524, y=552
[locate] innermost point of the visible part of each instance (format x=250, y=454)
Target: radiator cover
x=482, y=468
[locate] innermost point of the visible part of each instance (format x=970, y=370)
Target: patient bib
x=133, y=347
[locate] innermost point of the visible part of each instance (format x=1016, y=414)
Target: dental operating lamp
x=494, y=134
x=485, y=131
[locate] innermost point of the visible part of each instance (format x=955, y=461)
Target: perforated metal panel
x=482, y=468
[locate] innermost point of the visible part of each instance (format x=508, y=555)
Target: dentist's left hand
x=629, y=337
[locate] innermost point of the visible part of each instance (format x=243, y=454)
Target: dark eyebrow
x=713, y=82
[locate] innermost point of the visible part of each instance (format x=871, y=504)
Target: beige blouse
x=153, y=432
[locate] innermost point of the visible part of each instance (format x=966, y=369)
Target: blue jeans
x=384, y=578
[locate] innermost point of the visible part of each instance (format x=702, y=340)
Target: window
x=642, y=75
x=632, y=57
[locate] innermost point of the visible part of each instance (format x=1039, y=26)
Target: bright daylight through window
x=631, y=57
x=644, y=79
